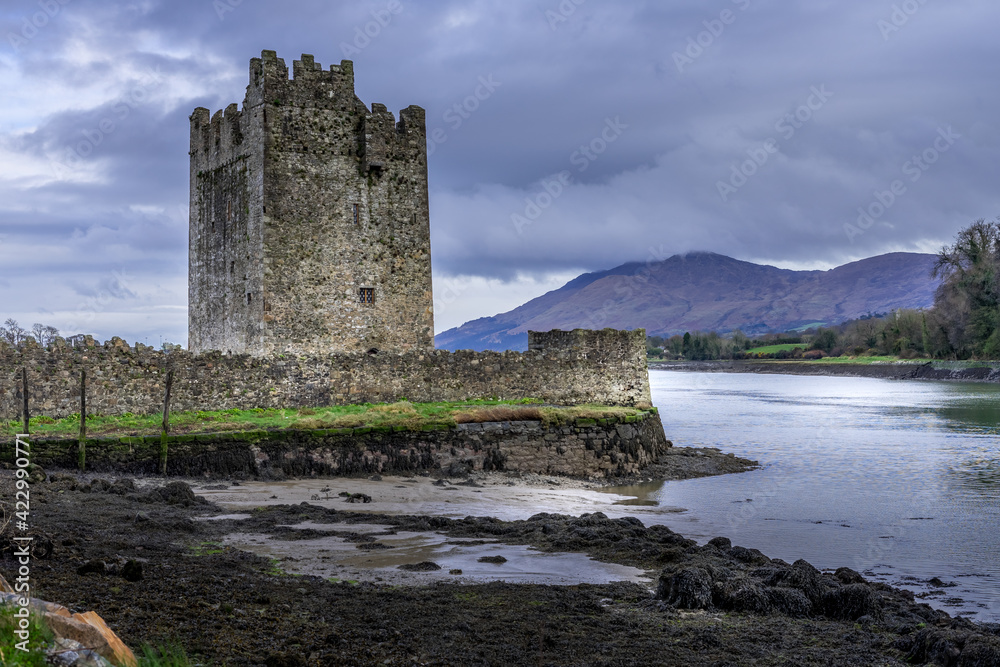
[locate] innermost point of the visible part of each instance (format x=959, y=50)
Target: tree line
x=964, y=322
x=13, y=334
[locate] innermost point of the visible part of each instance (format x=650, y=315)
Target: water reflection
x=976, y=413
x=979, y=475
x=897, y=479
x=643, y=495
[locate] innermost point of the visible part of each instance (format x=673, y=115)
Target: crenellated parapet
x=310, y=85
x=378, y=135
x=591, y=344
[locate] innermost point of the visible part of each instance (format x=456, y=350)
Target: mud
x=711, y=605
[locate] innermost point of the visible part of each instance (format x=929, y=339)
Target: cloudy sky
x=565, y=136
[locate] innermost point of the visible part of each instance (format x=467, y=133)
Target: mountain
x=707, y=292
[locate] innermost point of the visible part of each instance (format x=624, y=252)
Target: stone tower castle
x=309, y=228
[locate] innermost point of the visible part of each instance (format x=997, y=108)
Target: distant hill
x=707, y=292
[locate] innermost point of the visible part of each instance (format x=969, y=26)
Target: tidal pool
x=899, y=480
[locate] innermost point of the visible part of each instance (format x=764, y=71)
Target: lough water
x=896, y=479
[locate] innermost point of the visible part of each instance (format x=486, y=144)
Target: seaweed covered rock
x=174, y=493
x=851, y=602
x=936, y=647
x=790, y=602
x=734, y=578
x=690, y=588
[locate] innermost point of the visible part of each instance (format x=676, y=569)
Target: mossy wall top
x=309, y=224
x=606, y=367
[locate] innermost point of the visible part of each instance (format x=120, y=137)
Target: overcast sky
x=566, y=136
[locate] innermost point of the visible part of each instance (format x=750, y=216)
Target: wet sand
x=498, y=495
x=332, y=555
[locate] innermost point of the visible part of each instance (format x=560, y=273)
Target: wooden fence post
x=166, y=424
x=82, y=446
x=24, y=386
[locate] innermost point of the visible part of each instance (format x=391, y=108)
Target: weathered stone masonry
x=310, y=285
x=309, y=228
x=565, y=368
x=587, y=448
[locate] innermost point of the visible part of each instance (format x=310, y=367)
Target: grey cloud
x=655, y=188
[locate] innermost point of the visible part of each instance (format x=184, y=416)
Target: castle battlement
x=306, y=67
x=310, y=228
x=311, y=87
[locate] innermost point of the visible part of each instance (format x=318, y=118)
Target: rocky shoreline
x=912, y=370
x=715, y=604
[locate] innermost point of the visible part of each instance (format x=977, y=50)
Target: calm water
x=900, y=480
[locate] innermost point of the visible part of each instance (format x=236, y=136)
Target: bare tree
x=12, y=332
x=44, y=333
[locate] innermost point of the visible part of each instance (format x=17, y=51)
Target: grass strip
x=401, y=415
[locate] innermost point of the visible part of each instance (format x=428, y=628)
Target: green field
x=865, y=360
x=771, y=349
x=403, y=414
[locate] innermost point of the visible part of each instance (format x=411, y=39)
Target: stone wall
x=610, y=370
x=584, y=449
x=302, y=202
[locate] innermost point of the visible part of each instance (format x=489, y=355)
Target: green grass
x=207, y=549
x=864, y=360
x=348, y=582
x=169, y=656
x=772, y=349
x=847, y=360
x=402, y=414
x=39, y=636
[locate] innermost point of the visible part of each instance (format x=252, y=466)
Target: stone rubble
x=81, y=640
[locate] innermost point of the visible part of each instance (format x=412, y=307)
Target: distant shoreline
x=903, y=370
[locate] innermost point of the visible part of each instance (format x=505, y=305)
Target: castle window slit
x=366, y=295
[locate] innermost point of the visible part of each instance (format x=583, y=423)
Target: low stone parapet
x=583, y=448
